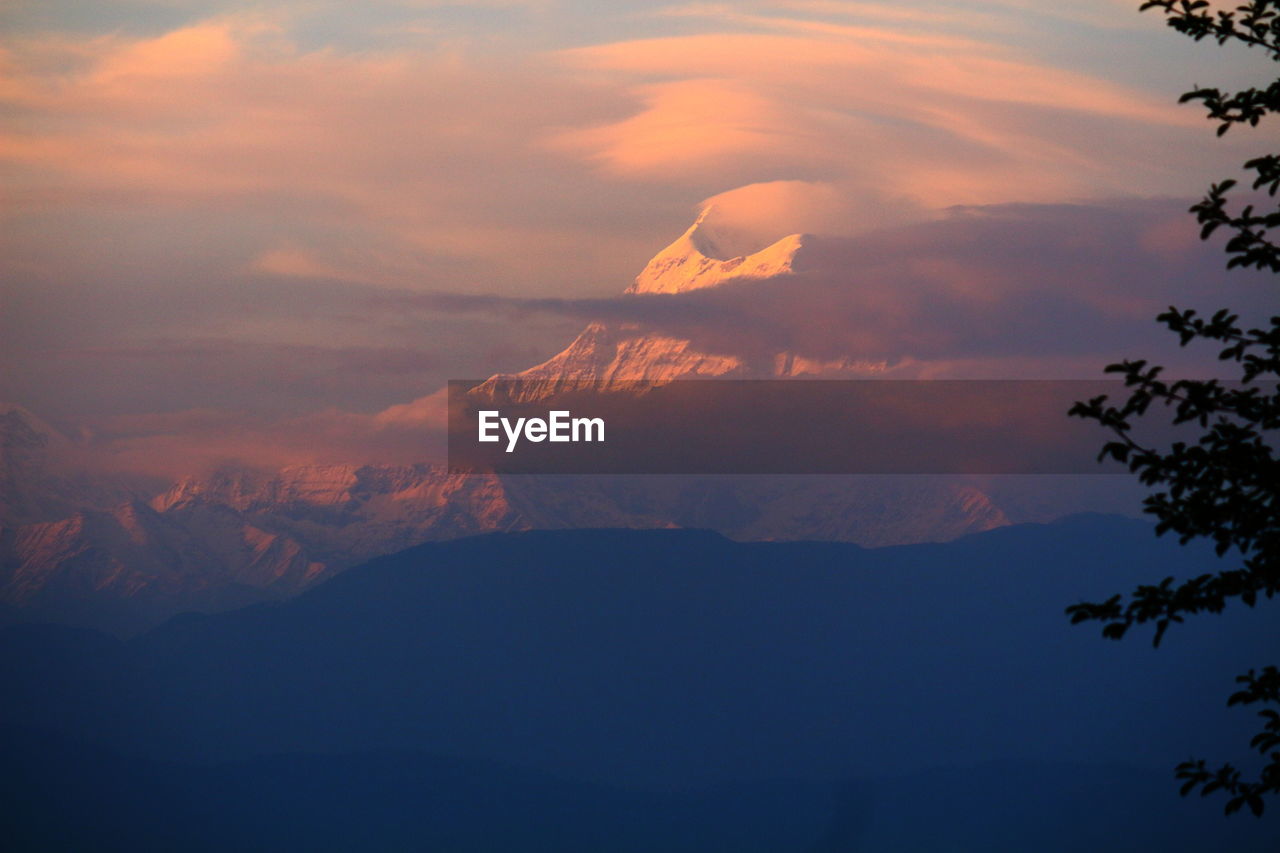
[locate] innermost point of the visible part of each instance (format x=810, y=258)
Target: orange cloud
x=421, y=165
x=430, y=165
x=218, y=179
x=687, y=126
x=750, y=217
x=931, y=119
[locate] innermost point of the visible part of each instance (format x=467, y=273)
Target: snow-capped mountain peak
x=624, y=352
x=698, y=259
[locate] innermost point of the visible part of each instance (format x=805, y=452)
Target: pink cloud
x=219, y=181
x=398, y=165
x=932, y=120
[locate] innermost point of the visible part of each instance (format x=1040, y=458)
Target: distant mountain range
x=127, y=552
x=210, y=543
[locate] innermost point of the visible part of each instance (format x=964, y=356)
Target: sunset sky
x=216, y=212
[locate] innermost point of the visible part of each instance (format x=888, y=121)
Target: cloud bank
x=294, y=211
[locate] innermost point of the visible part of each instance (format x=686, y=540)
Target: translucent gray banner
x=777, y=427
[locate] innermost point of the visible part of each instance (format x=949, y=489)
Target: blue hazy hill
x=678, y=688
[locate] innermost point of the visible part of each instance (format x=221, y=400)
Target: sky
x=230, y=214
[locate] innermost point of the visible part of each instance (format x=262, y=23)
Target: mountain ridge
x=239, y=532
x=668, y=657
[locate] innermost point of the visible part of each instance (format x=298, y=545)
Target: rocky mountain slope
x=210, y=543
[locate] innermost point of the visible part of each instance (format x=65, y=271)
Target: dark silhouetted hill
x=915, y=697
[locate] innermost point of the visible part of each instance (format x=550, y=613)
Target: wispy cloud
x=426, y=162
x=1014, y=284
x=290, y=197
x=925, y=119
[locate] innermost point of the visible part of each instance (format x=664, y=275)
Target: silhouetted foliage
x=1226, y=485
